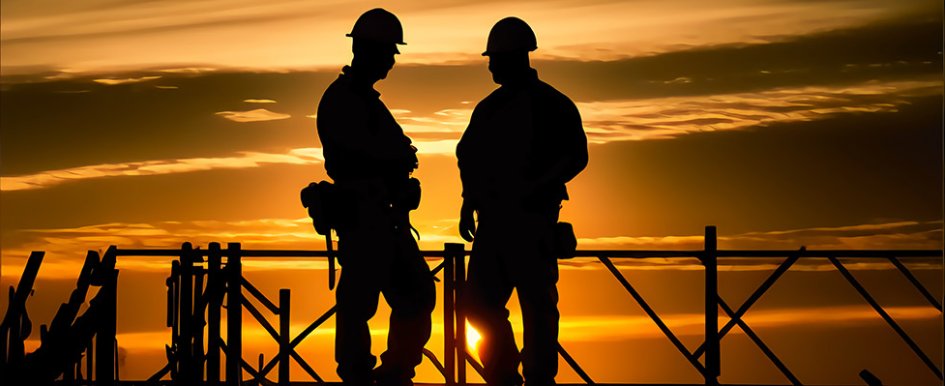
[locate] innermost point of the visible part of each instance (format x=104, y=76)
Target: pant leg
x=540, y=317
x=534, y=273
x=364, y=255
x=488, y=290
x=411, y=295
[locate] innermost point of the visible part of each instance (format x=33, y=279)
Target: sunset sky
x=784, y=123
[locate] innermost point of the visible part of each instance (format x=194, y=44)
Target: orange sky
x=784, y=123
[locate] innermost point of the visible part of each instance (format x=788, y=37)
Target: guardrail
x=203, y=280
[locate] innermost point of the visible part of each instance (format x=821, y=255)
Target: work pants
x=513, y=249
x=380, y=256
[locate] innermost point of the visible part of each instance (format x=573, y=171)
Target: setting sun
x=472, y=340
x=785, y=124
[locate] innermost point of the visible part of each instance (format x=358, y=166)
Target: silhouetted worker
x=370, y=160
x=523, y=143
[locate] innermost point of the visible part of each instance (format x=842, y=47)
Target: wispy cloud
x=598, y=328
x=255, y=115
x=444, y=122
x=68, y=244
x=141, y=34
x=887, y=235
x=113, y=82
x=241, y=160
x=642, y=119
x=666, y=118
x=897, y=235
x=260, y=101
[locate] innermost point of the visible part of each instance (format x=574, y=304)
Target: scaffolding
x=205, y=283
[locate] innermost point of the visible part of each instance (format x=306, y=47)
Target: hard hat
x=378, y=25
x=509, y=35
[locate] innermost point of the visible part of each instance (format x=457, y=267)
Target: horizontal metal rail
x=592, y=253
x=452, y=268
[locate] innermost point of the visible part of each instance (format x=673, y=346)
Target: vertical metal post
x=449, y=338
x=89, y=360
x=105, y=336
x=458, y=254
x=17, y=348
x=68, y=376
x=214, y=293
x=185, y=353
x=712, y=352
x=12, y=348
x=234, y=315
x=199, y=321
x=284, y=347
x=173, y=317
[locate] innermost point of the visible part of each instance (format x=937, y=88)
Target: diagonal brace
x=889, y=320
x=652, y=314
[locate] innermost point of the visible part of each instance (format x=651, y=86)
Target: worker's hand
x=467, y=222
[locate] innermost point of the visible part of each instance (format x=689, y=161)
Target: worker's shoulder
x=340, y=98
x=339, y=90
x=546, y=93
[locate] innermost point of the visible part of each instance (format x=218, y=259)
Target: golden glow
x=666, y=118
x=472, y=340
x=254, y=115
x=67, y=247
x=78, y=201
x=289, y=34
x=242, y=160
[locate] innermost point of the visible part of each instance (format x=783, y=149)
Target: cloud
x=261, y=101
x=897, y=235
x=188, y=70
x=671, y=117
x=143, y=33
x=640, y=119
x=888, y=235
x=445, y=147
x=69, y=244
x=241, y=160
x=609, y=328
x=445, y=122
x=113, y=82
x=255, y=115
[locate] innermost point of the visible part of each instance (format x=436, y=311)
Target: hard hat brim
x=487, y=53
x=396, y=51
x=400, y=42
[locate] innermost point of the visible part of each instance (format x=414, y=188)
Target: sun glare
x=472, y=339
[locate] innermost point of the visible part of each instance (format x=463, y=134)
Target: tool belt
x=334, y=207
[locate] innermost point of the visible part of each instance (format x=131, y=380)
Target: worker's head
x=375, y=36
x=510, y=41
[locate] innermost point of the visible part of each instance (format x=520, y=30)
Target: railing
x=201, y=280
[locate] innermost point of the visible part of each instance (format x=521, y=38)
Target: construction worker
x=370, y=161
x=524, y=142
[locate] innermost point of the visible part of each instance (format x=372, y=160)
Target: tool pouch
x=318, y=197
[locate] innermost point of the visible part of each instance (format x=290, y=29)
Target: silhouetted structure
x=199, y=276
x=70, y=336
x=523, y=143
x=370, y=160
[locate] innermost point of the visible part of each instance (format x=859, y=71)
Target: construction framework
x=205, y=281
